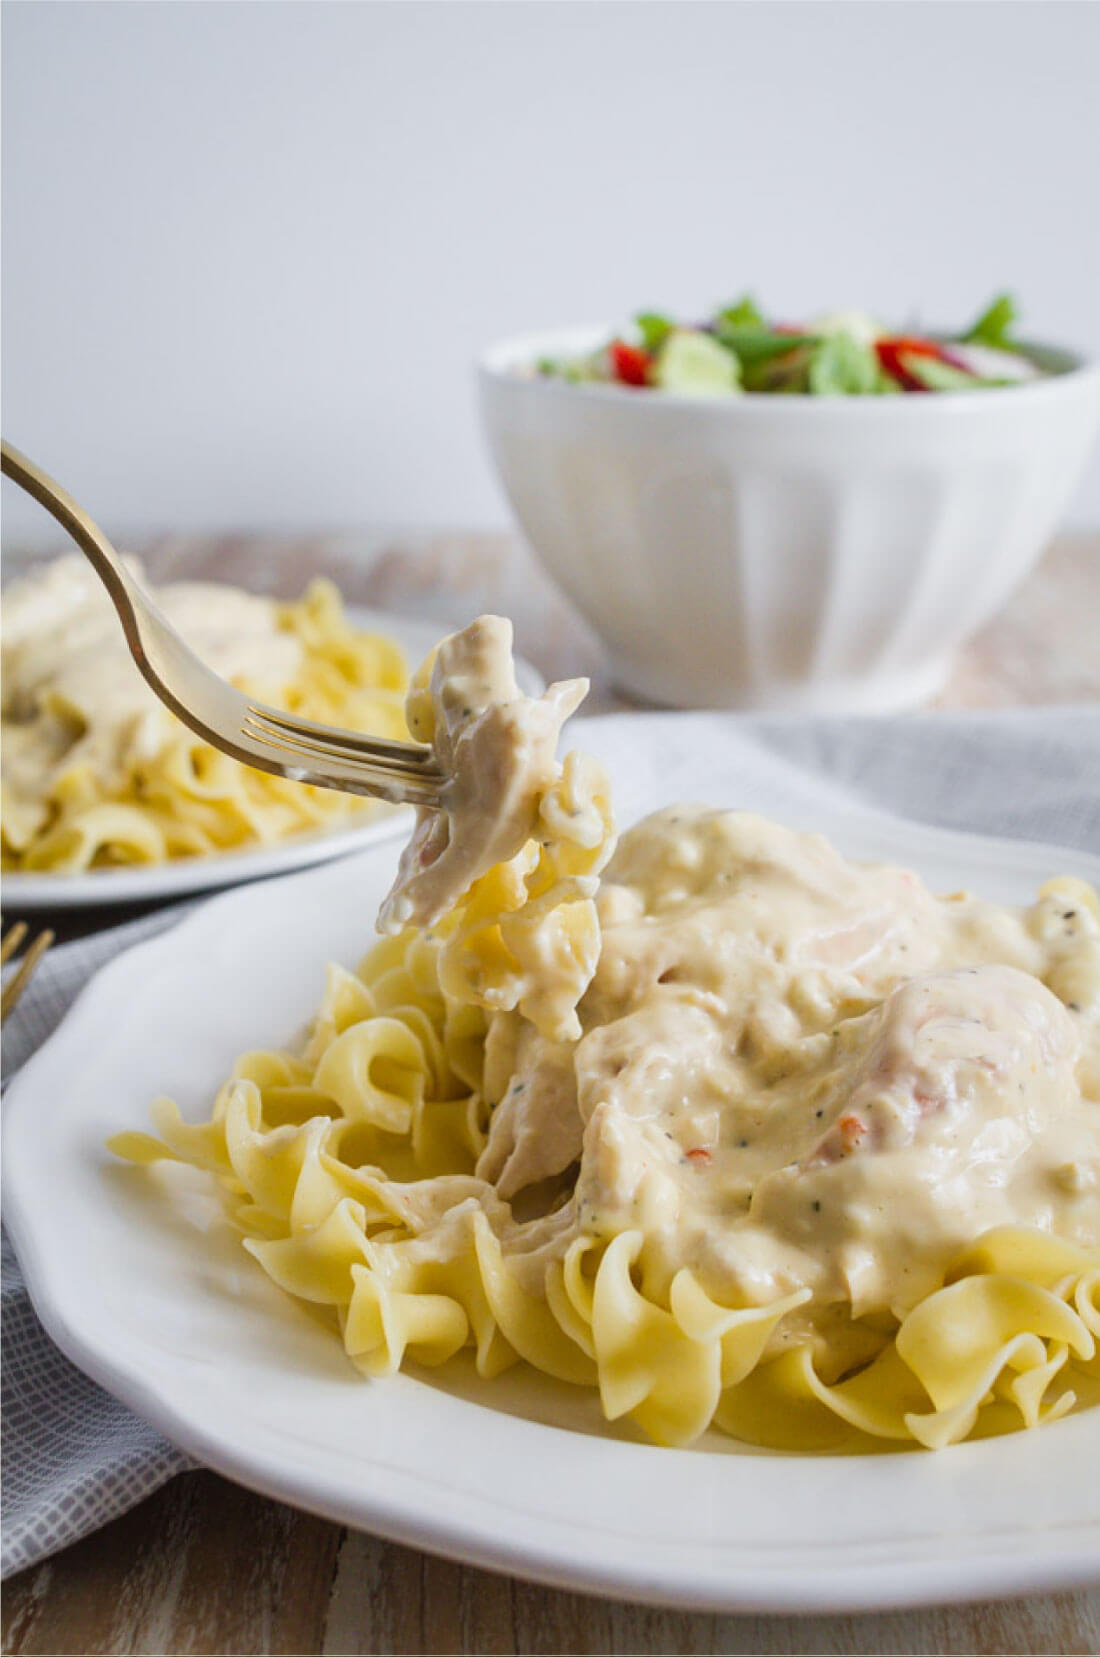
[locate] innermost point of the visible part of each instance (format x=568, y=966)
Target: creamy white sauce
x=800, y=1072
x=789, y=1071
x=497, y=747
x=72, y=697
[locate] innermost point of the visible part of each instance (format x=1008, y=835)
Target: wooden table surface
x=204, y=1566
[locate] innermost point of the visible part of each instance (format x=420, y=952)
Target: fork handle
x=76, y=522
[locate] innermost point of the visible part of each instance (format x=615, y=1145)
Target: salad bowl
x=795, y=553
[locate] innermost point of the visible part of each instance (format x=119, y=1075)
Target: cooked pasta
x=97, y=772
x=812, y=1158
x=508, y=870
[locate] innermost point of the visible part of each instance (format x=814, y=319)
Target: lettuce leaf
x=744, y=314
x=654, y=329
x=995, y=324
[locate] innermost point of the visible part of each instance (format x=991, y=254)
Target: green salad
x=847, y=354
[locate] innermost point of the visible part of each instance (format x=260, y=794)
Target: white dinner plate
x=519, y=1474
x=158, y=882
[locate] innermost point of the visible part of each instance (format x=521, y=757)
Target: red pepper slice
x=630, y=363
x=893, y=351
x=851, y=1131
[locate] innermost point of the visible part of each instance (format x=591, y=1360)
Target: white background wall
x=251, y=249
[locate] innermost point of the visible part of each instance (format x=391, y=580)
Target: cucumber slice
x=695, y=365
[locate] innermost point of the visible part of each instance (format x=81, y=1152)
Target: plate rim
x=993, y=1570
x=193, y=877
x=894, y=1585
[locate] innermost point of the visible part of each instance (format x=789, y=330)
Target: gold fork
x=19, y=980
x=268, y=738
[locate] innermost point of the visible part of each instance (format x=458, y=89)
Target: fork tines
x=21, y=977
x=13, y=937
x=411, y=765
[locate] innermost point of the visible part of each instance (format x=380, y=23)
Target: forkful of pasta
x=267, y=738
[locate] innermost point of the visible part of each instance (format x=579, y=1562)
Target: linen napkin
x=73, y=1458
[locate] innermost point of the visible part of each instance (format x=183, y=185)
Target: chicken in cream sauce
x=793, y=1072
x=800, y=1072
x=73, y=699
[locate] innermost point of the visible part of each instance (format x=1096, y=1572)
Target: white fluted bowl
x=808, y=553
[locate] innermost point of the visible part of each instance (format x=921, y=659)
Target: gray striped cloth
x=73, y=1458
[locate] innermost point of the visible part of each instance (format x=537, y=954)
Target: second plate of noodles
x=737, y=1132
x=107, y=798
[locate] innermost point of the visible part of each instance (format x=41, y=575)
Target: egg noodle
x=97, y=772
x=742, y=1134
